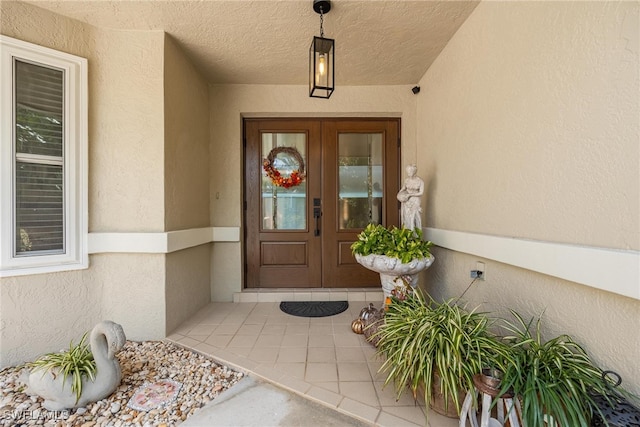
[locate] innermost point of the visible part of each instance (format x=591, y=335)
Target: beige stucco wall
x=126, y=137
x=126, y=147
x=130, y=292
x=186, y=142
x=528, y=127
x=126, y=127
x=230, y=102
x=186, y=182
x=187, y=284
x=126, y=131
x=42, y=313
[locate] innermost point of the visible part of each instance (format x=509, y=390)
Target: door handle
x=317, y=213
x=316, y=232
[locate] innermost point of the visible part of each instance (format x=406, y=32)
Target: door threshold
x=373, y=295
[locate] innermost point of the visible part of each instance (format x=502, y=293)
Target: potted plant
x=555, y=380
x=397, y=254
x=77, y=362
x=437, y=347
x=81, y=375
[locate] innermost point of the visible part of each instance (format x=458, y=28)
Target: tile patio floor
x=318, y=358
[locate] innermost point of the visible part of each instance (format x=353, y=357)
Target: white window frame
x=75, y=161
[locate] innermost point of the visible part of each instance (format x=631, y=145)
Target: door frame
x=391, y=214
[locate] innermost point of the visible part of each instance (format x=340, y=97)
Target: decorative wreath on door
x=296, y=177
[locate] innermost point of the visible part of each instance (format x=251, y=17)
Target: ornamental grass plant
x=555, y=379
x=421, y=337
x=77, y=361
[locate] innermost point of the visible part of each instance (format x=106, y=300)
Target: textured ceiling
x=378, y=42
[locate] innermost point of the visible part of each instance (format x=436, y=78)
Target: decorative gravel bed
x=202, y=380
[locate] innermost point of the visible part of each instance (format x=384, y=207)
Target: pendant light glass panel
x=321, y=67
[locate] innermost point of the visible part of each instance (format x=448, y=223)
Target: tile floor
x=319, y=358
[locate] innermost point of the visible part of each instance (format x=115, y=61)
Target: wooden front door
x=310, y=186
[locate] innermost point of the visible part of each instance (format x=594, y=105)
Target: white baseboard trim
x=161, y=242
x=616, y=271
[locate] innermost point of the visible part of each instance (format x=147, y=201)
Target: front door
x=310, y=186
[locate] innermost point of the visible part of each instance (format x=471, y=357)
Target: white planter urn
x=391, y=270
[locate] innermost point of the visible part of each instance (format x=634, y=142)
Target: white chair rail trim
x=160, y=242
x=616, y=271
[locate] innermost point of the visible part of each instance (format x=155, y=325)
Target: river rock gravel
x=202, y=380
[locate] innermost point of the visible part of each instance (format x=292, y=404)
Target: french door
x=310, y=186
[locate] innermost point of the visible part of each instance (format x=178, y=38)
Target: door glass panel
x=359, y=180
x=284, y=185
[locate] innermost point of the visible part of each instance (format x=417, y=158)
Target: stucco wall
x=528, y=127
x=230, y=102
x=186, y=181
x=186, y=148
x=36, y=25
x=42, y=313
x=126, y=131
x=126, y=145
x=130, y=292
x=126, y=98
x=187, y=284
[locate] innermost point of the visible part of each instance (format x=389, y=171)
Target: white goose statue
x=106, y=339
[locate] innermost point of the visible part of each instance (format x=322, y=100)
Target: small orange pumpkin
x=357, y=326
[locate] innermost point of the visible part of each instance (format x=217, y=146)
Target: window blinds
x=39, y=161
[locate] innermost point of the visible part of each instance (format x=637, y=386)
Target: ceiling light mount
x=321, y=6
x=321, y=58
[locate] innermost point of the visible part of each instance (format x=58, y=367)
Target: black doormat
x=313, y=308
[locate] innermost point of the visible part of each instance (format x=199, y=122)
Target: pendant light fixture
x=321, y=59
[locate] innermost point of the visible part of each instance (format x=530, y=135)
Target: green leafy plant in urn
x=397, y=254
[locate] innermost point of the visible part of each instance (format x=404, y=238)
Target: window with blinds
x=39, y=159
x=43, y=159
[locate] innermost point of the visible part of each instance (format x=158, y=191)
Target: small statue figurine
x=409, y=197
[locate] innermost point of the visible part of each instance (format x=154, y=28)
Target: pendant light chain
x=321, y=22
